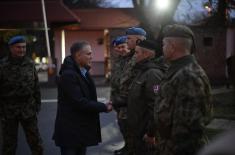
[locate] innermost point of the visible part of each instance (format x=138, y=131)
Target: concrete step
x=221, y=124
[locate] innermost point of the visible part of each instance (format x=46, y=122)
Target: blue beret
x=136, y=31
x=114, y=42
x=17, y=39
x=119, y=40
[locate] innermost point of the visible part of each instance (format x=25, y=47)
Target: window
x=208, y=41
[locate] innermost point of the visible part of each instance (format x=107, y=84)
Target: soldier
x=20, y=98
x=141, y=97
x=183, y=103
x=121, y=52
x=133, y=34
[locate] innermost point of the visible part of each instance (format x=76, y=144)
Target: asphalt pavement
x=111, y=136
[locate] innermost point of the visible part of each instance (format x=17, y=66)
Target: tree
x=219, y=17
x=212, y=12
x=153, y=19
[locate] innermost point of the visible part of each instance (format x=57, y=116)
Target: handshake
x=109, y=106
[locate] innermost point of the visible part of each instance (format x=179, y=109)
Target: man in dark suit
x=77, y=122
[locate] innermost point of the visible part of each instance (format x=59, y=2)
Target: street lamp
x=162, y=4
x=208, y=7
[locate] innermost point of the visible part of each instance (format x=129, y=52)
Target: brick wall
x=211, y=52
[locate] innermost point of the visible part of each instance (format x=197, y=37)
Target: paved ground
x=110, y=134
x=224, y=97
x=222, y=124
x=220, y=90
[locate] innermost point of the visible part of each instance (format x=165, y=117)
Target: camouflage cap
x=181, y=31
x=177, y=30
x=149, y=44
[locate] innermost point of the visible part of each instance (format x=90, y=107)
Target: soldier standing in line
x=121, y=52
x=183, y=101
x=20, y=98
x=133, y=34
x=141, y=97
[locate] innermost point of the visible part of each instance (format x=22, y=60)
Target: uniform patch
x=156, y=88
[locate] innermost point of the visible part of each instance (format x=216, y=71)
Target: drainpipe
x=46, y=30
x=51, y=66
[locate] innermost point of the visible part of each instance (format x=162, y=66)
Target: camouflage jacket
x=126, y=79
x=126, y=63
x=19, y=88
x=182, y=108
x=116, y=72
x=141, y=97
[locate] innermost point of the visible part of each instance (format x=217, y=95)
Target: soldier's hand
x=151, y=141
x=109, y=106
x=38, y=109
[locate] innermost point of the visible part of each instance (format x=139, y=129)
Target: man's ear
x=146, y=53
x=171, y=46
x=77, y=54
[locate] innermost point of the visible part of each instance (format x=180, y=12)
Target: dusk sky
x=192, y=12
x=188, y=11
x=120, y=3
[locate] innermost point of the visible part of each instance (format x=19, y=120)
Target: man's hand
x=38, y=108
x=109, y=106
x=151, y=141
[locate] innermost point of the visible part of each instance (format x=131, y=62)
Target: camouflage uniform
x=120, y=67
x=182, y=108
x=126, y=78
x=142, y=94
x=20, y=101
x=115, y=76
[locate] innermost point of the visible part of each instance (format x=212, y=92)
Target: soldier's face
x=123, y=48
x=168, y=49
x=117, y=50
x=139, y=54
x=18, y=50
x=84, y=56
x=131, y=41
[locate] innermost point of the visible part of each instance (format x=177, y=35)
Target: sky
x=187, y=12
x=120, y=3
x=191, y=12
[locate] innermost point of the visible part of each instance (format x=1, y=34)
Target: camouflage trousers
x=122, y=123
x=123, y=128
x=10, y=133
x=137, y=146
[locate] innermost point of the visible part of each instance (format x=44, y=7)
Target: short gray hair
x=77, y=46
x=185, y=42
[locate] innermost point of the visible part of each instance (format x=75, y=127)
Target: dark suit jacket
x=77, y=121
